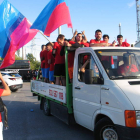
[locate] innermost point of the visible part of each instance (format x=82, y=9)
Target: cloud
x=131, y=4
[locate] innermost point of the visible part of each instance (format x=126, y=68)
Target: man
x=43, y=47
x=127, y=69
x=50, y=62
x=36, y=73
x=97, y=42
x=121, y=43
x=47, y=66
x=72, y=46
x=3, y=92
x=106, y=38
x=59, y=68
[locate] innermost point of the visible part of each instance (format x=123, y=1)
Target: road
x=27, y=125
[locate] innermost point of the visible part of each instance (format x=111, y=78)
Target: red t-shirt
x=1, y=91
x=96, y=42
x=72, y=54
x=50, y=56
x=45, y=53
x=124, y=44
x=58, y=58
x=42, y=62
x=132, y=69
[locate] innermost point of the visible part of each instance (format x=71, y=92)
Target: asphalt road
x=27, y=125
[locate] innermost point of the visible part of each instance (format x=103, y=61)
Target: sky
x=87, y=15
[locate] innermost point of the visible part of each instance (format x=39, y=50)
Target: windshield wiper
x=124, y=77
x=116, y=77
x=132, y=77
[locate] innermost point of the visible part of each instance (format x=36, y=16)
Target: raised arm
x=6, y=90
x=85, y=38
x=82, y=69
x=74, y=35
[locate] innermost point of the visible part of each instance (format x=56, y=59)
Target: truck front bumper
x=127, y=133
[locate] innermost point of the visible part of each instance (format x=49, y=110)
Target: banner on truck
x=53, y=91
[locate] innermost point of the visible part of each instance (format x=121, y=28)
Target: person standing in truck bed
x=51, y=61
x=121, y=43
x=97, y=42
x=43, y=47
x=59, y=68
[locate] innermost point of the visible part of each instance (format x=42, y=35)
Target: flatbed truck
x=105, y=98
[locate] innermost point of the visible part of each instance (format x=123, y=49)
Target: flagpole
x=72, y=31
x=45, y=36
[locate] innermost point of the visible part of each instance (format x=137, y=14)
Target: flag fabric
x=15, y=32
x=55, y=14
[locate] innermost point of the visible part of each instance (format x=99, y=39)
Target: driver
x=127, y=69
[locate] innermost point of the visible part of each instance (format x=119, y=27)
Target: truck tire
x=46, y=109
x=14, y=90
x=105, y=130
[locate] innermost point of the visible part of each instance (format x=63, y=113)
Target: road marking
x=10, y=102
x=15, y=96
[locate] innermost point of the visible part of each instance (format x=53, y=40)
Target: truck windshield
x=120, y=64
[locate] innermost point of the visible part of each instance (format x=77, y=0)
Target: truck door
x=86, y=98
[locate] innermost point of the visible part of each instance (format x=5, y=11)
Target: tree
x=18, y=52
x=18, y=57
x=30, y=57
x=33, y=63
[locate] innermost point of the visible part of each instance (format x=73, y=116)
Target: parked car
x=13, y=80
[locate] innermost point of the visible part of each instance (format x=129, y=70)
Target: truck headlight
x=138, y=118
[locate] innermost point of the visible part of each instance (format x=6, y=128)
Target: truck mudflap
x=53, y=91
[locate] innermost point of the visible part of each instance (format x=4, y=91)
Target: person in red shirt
x=43, y=47
x=51, y=61
x=127, y=69
x=84, y=38
x=121, y=43
x=47, y=66
x=3, y=92
x=59, y=68
x=72, y=46
x=97, y=42
x=106, y=38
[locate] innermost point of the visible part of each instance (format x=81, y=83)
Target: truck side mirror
x=90, y=79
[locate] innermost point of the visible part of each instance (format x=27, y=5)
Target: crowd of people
x=33, y=74
x=53, y=54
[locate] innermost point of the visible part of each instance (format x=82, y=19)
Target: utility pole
x=119, y=28
x=138, y=20
x=59, y=30
x=22, y=53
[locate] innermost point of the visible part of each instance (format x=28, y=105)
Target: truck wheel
x=105, y=130
x=46, y=109
x=14, y=90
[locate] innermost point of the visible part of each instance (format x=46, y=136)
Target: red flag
x=20, y=36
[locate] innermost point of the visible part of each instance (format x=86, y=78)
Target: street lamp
x=120, y=28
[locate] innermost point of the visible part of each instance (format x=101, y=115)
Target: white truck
x=104, y=99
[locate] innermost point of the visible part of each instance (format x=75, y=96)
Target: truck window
x=86, y=61
x=120, y=64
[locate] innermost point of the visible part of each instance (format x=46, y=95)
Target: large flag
x=15, y=32
x=55, y=14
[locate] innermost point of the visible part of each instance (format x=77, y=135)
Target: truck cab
x=104, y=95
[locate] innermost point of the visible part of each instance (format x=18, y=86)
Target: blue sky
x=87, y=15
